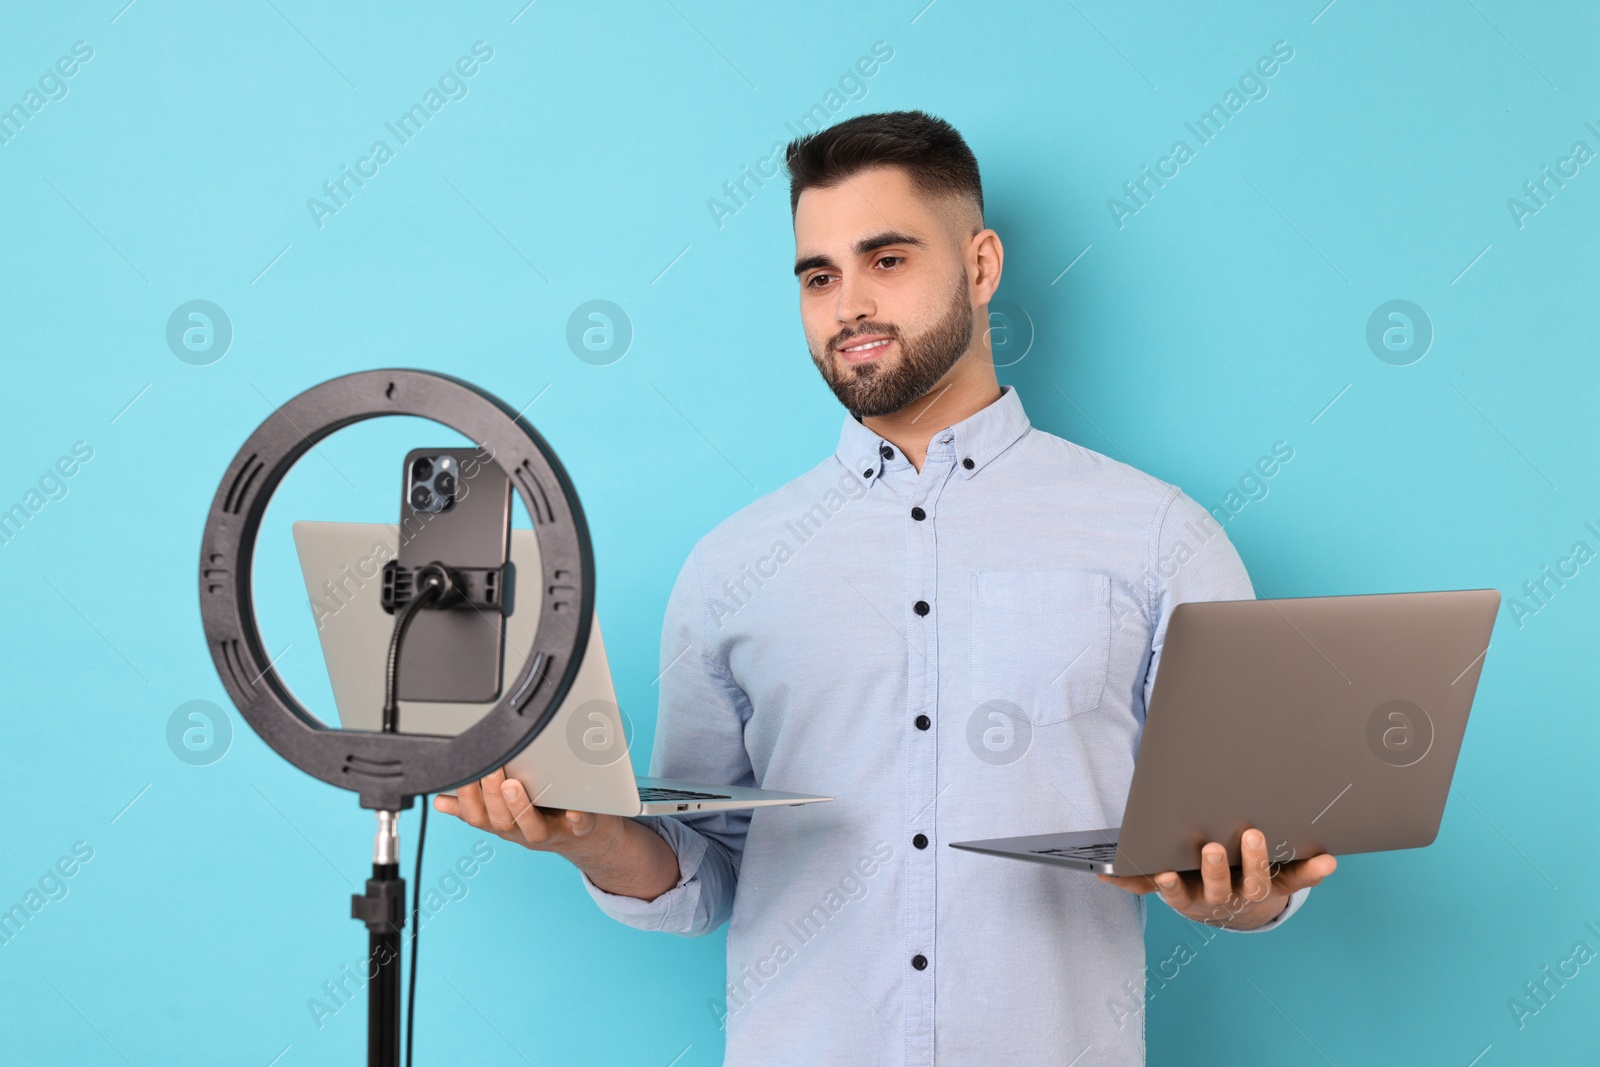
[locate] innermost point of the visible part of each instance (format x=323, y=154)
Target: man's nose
x=855, y=301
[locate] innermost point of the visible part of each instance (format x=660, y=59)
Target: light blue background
x=1226, y=315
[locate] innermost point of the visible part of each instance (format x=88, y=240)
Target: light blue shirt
x=960, y=652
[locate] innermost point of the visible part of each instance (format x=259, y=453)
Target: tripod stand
x=383, y=909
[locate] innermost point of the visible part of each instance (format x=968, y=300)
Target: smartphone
x=456, y=509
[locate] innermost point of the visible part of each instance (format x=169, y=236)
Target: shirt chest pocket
x=1040, y=640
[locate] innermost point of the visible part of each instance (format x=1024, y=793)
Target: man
x=952, y=624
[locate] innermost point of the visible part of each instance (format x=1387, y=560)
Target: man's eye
x=811, y=283
x=891, y=260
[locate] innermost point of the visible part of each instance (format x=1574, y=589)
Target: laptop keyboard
x=1098, y=853
x=649, y=793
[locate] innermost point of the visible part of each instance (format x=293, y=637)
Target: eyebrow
x=863, y=246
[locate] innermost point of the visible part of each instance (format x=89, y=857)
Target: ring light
x=389, y=769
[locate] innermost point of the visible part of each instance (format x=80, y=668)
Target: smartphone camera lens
x=422, y=470
x=445, y=483
x=422, y=498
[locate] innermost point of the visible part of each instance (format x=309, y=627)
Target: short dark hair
x=928, y=148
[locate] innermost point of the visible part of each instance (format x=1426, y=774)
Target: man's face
x=884, y=294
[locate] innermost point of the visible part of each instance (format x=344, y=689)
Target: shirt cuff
x=674, y=910
x=1297, y=898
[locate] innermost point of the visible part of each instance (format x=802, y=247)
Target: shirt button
x=918, y=514
x=866, y=474
x=920, y=607
x=921, y=840
x=967, y=463
x=886, y=452
x=920, y=962
x=923, y=722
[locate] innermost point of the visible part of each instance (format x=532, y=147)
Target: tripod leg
x=383, y=909
x=383, y=997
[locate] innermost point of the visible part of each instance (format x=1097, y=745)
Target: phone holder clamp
x=470, y=588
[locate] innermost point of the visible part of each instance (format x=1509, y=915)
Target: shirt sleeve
x=699, y=737
x=1191, y=559
x=1297, y=898
x=1194, y=560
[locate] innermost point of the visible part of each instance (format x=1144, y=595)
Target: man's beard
x=873, y=388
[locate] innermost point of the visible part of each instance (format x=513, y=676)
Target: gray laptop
x=579, y=761
x=1331, y=724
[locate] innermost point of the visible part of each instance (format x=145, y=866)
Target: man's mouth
x=865, y=348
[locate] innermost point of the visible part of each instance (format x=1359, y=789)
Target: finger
x=1133, y=883
x=1176, y=890
x=524, y=815
x=471, y=797
x=448, y=805
x=1216, y=879
x=1302, y=874
x=494, y=801
x=581, y=823
x=1256, y=881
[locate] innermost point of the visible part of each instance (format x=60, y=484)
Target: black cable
x=432, y=583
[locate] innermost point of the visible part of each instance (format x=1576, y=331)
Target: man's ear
x=986, y=257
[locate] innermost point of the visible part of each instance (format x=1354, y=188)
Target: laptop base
x=1082, y=850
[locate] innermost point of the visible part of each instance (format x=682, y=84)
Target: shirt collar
x=974, y=441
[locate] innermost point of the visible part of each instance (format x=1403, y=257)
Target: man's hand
x=501, y=806
x=621, y=856
x=1214, y=896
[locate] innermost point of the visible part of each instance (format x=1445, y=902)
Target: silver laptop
x=1331, y=724
x=580, y=761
